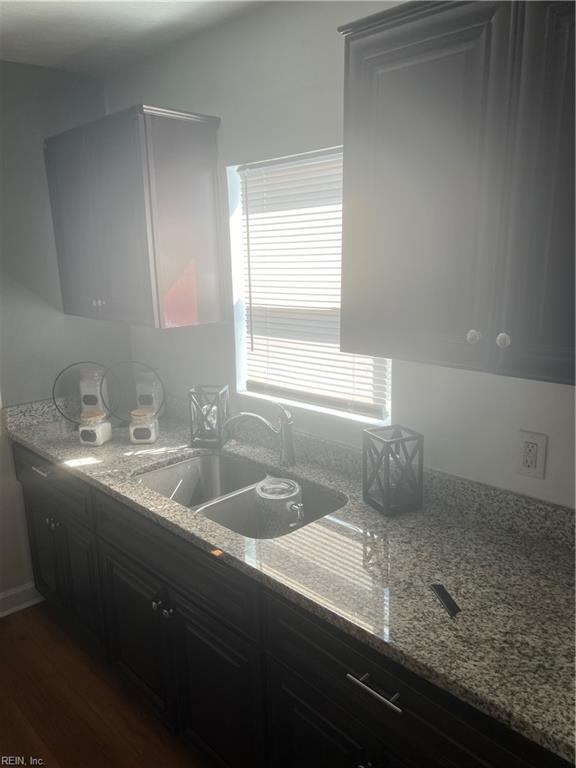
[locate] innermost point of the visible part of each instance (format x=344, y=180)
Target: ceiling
x=98, y=36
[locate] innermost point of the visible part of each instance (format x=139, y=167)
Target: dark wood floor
x=66, y=706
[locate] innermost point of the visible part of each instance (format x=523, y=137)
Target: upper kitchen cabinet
x=458, y=226
x=134, y=207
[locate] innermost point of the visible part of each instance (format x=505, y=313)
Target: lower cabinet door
x=134, y=603
x=43, y=547
x=308, y=730
x=78, y=547
x=219, y=685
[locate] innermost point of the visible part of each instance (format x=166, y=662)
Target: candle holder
x=392, y=469
x=208, y=412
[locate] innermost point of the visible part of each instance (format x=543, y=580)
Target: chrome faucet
x=283, y=430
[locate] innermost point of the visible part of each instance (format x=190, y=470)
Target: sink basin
x=197, y=480
x=240, y=512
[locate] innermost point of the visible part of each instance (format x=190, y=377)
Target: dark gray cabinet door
x=69, y=165
x=182, y=175
x=427, y=92
x=219, y=683
x=63, y=558
x=43, y=544
x=121, y=196
x=306, y=730
x=78, y=552
x=136, y=632
x=538, y=286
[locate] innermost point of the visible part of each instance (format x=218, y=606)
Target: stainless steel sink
x=201, y=478
x=240, y=511
x=222, y=488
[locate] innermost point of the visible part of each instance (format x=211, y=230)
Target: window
x=288, y=310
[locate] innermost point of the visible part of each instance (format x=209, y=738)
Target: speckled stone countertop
x=508, y=562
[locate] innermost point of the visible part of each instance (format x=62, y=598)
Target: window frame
x=315, y=404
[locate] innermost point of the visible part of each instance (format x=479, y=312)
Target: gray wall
x=275, y=77
x=37, y=339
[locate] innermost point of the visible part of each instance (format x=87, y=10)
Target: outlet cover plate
x=531, y=451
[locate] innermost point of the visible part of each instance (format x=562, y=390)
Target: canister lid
x=92, y=417
x=143, y=413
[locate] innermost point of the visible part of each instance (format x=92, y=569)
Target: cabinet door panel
x=305, y=731
x=425, y=97
x=82, y=597
x=121, y=207
x=182, y=163
x=136, y=633
x=42, y=545
x=69, y=164
x=538, y=297
x=219, y=681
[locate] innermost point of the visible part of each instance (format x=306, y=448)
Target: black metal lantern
x=392, y=469
x=208, y=412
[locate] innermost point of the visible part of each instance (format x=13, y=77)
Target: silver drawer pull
x=156, y=605
x=40, y=472
x=382, y=699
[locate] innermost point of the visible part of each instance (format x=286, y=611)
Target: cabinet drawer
x=392, y=701
x=70, y=497
x=212, y=585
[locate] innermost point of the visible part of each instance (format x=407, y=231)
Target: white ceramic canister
x=95, y=429
x=143, y=426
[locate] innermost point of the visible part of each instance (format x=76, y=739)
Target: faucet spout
x=283, y=430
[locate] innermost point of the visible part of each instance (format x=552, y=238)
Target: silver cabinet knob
x=47, y=521
x=167, y=613
x=94, y=302
x=156, y=605
x=473, y=337
x=503, y=340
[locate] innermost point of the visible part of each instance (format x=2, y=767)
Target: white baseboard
x=17, y=599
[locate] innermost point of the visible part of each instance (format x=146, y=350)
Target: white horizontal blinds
x=292, y=233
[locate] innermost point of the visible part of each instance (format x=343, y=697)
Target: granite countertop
x=509, y=652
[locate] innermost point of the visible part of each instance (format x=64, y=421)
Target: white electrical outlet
x=531, y=453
